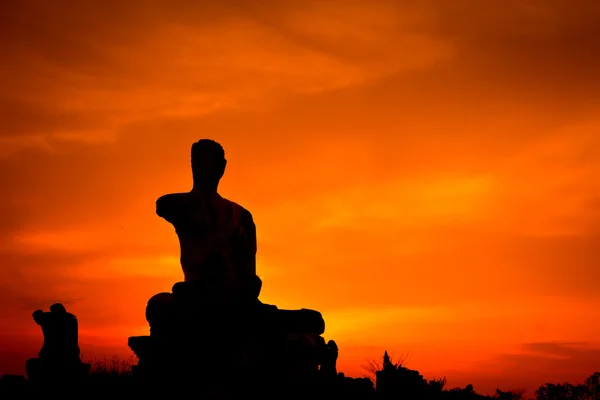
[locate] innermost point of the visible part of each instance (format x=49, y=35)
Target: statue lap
x=185, y=305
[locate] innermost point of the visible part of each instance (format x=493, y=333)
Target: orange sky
x=427, y=176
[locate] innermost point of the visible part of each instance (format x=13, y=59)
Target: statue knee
x=159, y=306
x=251, y=288
x=314, y=321
x=257, y=286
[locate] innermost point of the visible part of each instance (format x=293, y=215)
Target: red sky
x=425, y=175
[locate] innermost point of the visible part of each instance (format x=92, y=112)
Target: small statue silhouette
x=60, y=351
x=60, y=330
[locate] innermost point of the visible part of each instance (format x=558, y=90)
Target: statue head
x=208, y=163
x=58, y=308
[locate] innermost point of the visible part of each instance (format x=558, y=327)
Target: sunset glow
x=427, y=176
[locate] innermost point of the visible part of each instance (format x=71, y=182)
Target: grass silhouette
x=111, y=368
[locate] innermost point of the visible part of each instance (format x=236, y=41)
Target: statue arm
x=167, y=208
x=38, y=317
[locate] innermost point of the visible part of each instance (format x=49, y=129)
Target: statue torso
x=204, y=227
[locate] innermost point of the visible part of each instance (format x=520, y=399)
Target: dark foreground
x=394, y=383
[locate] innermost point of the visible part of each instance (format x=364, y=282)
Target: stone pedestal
x=233, y=346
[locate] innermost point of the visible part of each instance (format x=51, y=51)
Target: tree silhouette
x=515, y=394
x=593, y=384
x=562, y=391
x=387, y=362
x=373, y=366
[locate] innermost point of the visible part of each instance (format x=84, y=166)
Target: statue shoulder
x=246, y=216
x=240, y=210
x=172, y=198
x=246, y=221
x=169, y=202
